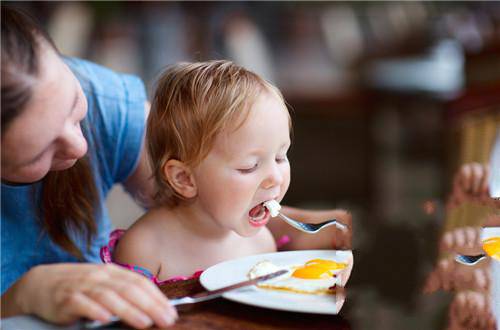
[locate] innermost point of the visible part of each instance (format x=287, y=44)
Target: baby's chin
x=249, y=230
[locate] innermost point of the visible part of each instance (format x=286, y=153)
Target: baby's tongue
x=256, y=211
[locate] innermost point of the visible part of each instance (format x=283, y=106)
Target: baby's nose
x=275, y=178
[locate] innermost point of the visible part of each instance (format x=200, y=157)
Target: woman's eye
x=247, y=170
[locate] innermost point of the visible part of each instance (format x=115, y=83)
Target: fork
x=469, y=260
x=312, y=228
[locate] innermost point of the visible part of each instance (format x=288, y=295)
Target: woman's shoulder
x=115, y=120
x=103, y=82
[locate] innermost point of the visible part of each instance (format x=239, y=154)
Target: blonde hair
x=192, y=104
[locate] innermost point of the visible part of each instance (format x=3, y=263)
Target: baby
x=217, y=138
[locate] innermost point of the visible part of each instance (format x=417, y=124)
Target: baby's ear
x=180, y=177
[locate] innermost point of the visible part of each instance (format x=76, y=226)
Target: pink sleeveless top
x=107, y=257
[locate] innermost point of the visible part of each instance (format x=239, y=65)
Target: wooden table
x=214, y=314
x=224, y=314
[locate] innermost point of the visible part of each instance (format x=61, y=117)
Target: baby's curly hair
x=192, y=104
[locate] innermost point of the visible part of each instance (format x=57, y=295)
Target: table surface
x=215, y=314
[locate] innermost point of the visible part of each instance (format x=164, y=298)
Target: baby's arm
x=137, y=248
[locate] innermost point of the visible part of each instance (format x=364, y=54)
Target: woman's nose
x=73, y=143
x=274, y=178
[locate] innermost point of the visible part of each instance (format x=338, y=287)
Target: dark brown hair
x=69, y=198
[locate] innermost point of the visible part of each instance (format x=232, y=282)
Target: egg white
x=287, y=282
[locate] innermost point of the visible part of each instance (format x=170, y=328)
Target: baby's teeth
x=273, y=206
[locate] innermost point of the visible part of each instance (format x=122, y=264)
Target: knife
x=199, y=297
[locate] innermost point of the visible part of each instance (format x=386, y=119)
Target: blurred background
x=387, y=99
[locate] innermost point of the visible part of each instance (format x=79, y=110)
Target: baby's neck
x=193, y=220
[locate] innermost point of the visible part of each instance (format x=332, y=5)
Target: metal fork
x=469, y=260
x=312, y=228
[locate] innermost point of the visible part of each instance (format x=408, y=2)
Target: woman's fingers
x=66, y=292
x=79, y=305
x=136, y=296
x=151, y=289
x=120, y=307
x=141, y=293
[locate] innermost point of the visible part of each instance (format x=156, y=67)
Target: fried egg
x=317, y=276
x=492, y=247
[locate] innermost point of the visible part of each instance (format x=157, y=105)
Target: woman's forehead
x=39, y=123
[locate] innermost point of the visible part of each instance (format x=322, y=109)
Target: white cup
x=488, y=232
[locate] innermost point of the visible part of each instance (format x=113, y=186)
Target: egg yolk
x=492, y=247
x=318, y=269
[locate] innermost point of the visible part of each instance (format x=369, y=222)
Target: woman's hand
x=63, y=293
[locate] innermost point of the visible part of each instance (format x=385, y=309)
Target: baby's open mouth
x=258, y=212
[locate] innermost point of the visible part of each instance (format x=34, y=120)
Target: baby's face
x=247, y=167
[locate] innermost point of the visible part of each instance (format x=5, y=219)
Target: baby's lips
x=255, y=211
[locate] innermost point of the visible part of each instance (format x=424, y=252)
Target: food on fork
x=317, y=276
x=273, y=206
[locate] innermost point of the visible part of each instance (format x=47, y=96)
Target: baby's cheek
x=286, y=184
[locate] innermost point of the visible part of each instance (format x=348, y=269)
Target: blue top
x=116, y=121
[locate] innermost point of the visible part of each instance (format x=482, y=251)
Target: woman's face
x=46, y=136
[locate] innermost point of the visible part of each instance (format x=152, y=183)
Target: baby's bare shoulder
x=140, y=244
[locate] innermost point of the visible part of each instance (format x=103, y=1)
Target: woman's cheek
x=36, y=171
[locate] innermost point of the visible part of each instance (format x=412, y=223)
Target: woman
x=71, y=130
x=50, y=119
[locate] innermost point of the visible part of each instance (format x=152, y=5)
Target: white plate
x=233, y=271
x=489, y=232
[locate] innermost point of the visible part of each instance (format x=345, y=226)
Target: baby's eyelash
x=247, y=170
